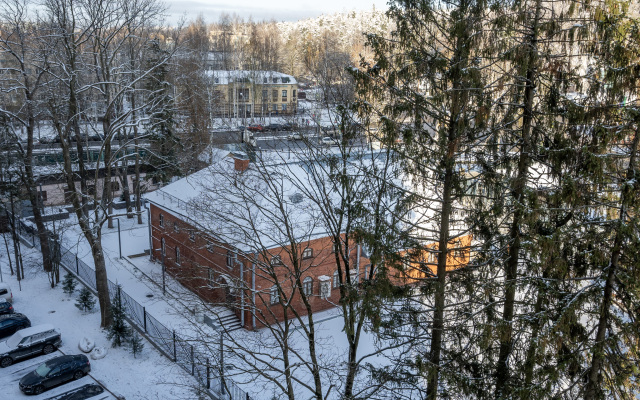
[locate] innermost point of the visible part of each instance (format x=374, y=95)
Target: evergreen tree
x=430, y=85
x=85, y=301
x=69, y=283
x=119, y=331
x=136, y=344
x=160, y=109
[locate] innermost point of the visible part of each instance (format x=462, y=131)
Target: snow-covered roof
x=258, y=208
x=258, y=77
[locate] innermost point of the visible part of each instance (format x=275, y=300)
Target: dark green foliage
x=85, y=301
x=136, y=344
x=119, y=331
x=69, y=284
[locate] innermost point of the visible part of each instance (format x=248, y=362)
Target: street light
x=163, y=271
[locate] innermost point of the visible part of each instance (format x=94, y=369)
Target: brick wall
x=204, y=268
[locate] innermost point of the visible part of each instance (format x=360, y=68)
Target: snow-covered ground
x=149, y=376
x=141, y=279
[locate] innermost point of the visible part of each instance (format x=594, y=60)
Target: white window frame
x=231, y=258
x=325, y=290
x=192, y=235
x=307, y=253
x=336, y=280
x=307, y=286
x=161, y=220
x=276, y=260
x=211, y=278
x=178, y=255
x=274, y=296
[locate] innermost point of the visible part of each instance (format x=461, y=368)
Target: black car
x=40, y=339
x=273, y=127
x=5, y=307
x=82, y=393
x=11, y=323
x=55, y=372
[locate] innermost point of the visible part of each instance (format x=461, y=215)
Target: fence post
x=175, y=354
x=77, y=268
x=208, y=374
x=193, y=362
x=144, y=318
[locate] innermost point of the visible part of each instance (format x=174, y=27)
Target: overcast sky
x=279, y=10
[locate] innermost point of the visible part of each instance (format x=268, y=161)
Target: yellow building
x=243, y=94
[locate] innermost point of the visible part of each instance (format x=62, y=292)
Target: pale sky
x=279, y=10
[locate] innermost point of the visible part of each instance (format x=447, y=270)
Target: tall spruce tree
x=429, y=82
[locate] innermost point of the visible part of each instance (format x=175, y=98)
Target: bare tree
x=87, y=42
x=22, y=80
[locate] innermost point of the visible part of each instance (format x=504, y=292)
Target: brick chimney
x=240, y=164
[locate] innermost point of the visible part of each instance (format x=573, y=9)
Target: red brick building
x=220, y=254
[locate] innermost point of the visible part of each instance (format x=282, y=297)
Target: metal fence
x=172, y=345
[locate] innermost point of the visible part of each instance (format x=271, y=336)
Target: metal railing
x=171, y=345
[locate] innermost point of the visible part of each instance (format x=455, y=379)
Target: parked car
x=55, y=372
x=287, y=127
x=329, y=141
x=295, y=136
x=255, y=128
x=5, y=307
x=11, y=323
x=43, y=339
x=82, y=393
x=5, y=292
x=273, y=127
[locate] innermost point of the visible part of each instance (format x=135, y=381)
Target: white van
x=5, y=292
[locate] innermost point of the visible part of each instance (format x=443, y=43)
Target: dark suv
x=40, y=339
x=5, y=307
x=11, y=323
x=55, y=372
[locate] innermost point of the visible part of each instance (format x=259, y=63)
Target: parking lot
x=10, y=376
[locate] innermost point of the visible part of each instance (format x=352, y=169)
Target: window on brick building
x=353, y=276
x=175, y=227
x=161, y=220
x=325, y=289
x=231, y=258
x=336, y=280
x=276, y=260
x=211, y=279
x=209, y=246
x=458, y=251
x=307, y=253
x=192, y=235
x=307, y=286
x=178, y=255
x=273, y=295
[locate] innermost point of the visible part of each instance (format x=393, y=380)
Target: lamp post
x=119, y=239
x=161, y=250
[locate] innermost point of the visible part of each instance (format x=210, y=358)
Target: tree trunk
x=593, y=389
x=511, y=269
